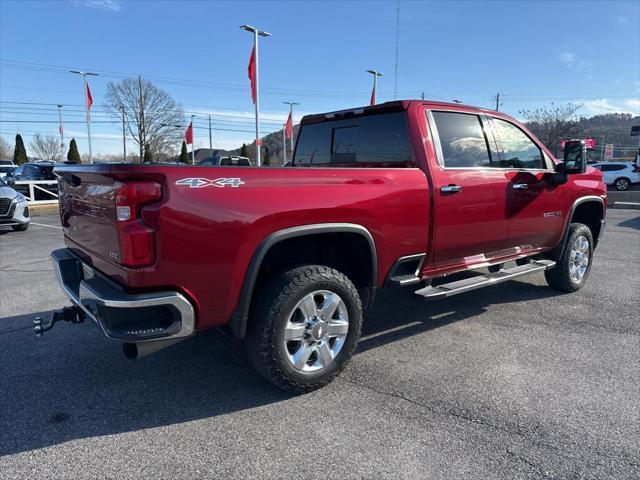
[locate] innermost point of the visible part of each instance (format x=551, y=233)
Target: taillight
x=137, y=243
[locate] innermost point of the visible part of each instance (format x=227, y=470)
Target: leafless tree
x=151, y=115
x=553, y=124
x=46, y=147
x=5, y=150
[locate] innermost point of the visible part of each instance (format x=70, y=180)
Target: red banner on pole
x=373, y=96
x=89, y=97
x=251, y=71
x=288, y=128
x=188, y=135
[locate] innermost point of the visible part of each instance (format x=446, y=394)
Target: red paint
x=205, y=237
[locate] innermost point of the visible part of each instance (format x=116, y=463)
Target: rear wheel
x=622, y=184
x=304, y=327
x=573, y=268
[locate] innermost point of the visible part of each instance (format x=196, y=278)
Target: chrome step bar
x=468, y=284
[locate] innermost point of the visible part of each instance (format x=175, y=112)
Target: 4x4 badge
x=205, y=182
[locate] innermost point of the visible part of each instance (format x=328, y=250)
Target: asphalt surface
x=514, y=381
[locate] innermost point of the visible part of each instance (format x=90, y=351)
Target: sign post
x=635, y=132
x=608, y=151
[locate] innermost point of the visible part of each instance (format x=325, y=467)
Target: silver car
x=14, y=211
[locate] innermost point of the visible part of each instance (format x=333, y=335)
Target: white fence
x=37, y=187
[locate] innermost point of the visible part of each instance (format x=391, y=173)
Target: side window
x=460, y=140
x=314, y=144
x=343, y=148
x=517, y=149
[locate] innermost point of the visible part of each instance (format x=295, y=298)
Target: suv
x=225, y=161
x=397, y=195
x=621, y=175
x=34, y=171
x=6, y=168
x=14, y=210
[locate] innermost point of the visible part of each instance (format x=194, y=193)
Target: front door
x=470, y=225
x=534, y=203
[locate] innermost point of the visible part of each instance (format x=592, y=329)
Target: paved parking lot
x=516, y=381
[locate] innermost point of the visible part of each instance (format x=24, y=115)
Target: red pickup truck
x=394, y=195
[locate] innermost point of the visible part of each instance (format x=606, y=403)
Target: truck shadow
x=73, y=383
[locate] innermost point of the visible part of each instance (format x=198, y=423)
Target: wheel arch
x=238, y=322
x=589, y=210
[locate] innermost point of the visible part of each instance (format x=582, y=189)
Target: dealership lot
x=516, y=381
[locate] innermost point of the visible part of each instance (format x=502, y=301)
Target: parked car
x=34, y=171
x=225, y=161
x=6, y=168
x=620, y=175
x=14, y=210
x=400, y=194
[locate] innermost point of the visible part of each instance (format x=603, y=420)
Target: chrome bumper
x=121, y=316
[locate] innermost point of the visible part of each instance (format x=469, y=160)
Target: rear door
x=535, y=204
x=470, y=224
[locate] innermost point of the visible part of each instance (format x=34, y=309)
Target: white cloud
x=623, y=20
x=571, y=60
x=604, y=105
x=111, y=5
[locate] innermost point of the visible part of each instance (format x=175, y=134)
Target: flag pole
x=291, y=104
x=86, y=104
x=61, y=129
x=284, y=144
x=193, y=142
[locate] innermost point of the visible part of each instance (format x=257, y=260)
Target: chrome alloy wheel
x=579, y=259
x=316, y=331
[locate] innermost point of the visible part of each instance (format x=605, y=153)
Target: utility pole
x=291, y=104
x=124, y=136
x=422, y=95
x=395, y=79
x=256, y=33
x=87, y=106
x=61, y=129
x=210, y=140
x=141, y=133
x=193, y=142
x=497, y=101
x=284, y=144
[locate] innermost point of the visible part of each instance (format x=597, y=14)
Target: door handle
x=519, y=186
x=451, y=189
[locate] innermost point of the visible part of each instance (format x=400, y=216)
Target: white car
x=14, y=210
x=620, y=175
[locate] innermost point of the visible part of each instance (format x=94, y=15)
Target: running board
x=468, y=284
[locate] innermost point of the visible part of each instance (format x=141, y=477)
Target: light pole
x=61, y=129
x=256, y=33
x=291, y=104
x=375, y=74
x=284, y=144
x=86, y=91
x=210, y=140
x=193, y=142
x=124, y=136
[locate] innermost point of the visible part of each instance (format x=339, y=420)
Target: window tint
x=517, y=149
x=374, y=139
x=612, y=168
x=460, y=140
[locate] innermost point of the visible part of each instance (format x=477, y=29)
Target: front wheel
x=622, y=184
x=304, y=327
x=572, y=269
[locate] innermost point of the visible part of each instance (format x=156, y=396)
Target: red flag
x=89, y=97
x=288, y=127
x=373, y=95
x=188, y=135
x=251, y=70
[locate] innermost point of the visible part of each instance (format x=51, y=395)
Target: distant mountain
x=272, y=143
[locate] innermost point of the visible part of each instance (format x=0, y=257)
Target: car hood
x=7, y=192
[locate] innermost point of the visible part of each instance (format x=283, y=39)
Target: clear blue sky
x=532, y=52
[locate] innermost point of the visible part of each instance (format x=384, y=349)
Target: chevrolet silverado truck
x=401, y=194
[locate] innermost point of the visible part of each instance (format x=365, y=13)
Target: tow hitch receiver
x=68, y=314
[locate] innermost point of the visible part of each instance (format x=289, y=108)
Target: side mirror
x=575, y=158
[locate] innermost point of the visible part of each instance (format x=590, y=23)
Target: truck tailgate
x=88, y=209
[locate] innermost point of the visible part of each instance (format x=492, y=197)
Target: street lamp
x=61, y=130
x=291, y=104
x=86, y=91
x=256, y=33
x=375, y=74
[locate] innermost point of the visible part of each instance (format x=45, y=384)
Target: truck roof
x=392, y=106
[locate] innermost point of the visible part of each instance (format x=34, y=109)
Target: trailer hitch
x=68, y=314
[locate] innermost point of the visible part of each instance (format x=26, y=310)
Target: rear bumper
x=121, y=316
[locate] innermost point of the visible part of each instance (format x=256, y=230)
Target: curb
x=43, y=209
x=626, y=205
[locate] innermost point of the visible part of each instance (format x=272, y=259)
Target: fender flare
x=559, y=249
x=238, y=322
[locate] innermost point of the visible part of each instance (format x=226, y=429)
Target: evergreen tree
x=19, y=153
x=184, y=153
x=243, y=150
x=148, y=156
x=267, y=157
x=73, y=155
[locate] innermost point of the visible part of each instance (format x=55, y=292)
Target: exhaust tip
x=133, y=351
x=130, y=351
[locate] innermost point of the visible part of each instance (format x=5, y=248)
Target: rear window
x=612, y=168
x=376, y=140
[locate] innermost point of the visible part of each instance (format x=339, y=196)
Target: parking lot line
x=43, y=225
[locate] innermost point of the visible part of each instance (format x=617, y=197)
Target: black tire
x=21, y=228
x=622, y=184
x=274, y=305
x=559, y=277
x=495, y=268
